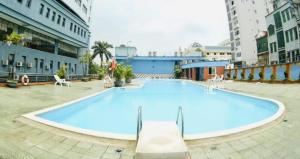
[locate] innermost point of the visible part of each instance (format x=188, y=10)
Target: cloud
x=160, y=25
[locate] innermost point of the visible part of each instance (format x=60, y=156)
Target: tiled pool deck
x=33, y=140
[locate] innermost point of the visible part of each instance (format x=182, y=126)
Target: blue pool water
x=115, y=111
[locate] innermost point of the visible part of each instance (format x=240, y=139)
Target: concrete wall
x=292, y=70
x=151, y=66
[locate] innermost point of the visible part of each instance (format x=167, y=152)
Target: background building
x=209, y=53
x=127, y=51
x=246, y=19
x=283, y=31
x=55, y=34
x=262, y=48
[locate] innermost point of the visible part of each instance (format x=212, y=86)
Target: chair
x=61, y=81
x=108, y=82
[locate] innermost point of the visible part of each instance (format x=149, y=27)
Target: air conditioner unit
x=29, y=65
x=4, y=62
x=19, y=64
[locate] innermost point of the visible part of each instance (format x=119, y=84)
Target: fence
x=280, y=72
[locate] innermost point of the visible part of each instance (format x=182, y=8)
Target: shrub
x=177, y=71
x=272, y=77
x=250, y=77
x=261, y=75
x=286, y=75
x=228, y=75
x=242, y=75
x=102, y=72
x=234, y=76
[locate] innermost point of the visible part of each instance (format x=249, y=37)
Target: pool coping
x=33, y=116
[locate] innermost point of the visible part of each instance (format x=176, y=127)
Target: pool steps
x=161, y=140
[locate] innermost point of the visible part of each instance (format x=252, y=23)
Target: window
x=271, y=30
x=84, y=9
x=58, y=65
x=51, y=65
x=42, y=9
x=278, y=22
x=78, y=30
x=58, y=19
x=212, y=70
x=41, y=63
x=48, y=13
x=20, y=1
x=287, y=36
x=78, y=2
x=64, y=22
x=28, y=3
x=75, y=28
x=84, y=34
x=283, y=16
x=296, y=33
x=280, y=38
x=71, y=26
x=81, y=34
x=53, y=16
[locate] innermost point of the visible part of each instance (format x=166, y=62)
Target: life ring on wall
x=25, y=80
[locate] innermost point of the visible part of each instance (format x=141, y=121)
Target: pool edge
x=280, y=112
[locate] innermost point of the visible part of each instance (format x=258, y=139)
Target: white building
x=127, y=51
x=81, y=7
x=209, y=53
x=246, y=19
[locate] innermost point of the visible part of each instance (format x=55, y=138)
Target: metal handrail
x=139, y=123
x=180, y=114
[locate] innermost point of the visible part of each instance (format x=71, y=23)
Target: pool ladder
x=180, y=116
x=139, y=123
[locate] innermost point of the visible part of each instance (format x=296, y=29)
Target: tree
x=86, y=60
x=101, y=48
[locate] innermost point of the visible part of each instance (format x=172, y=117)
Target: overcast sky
x=159, y=25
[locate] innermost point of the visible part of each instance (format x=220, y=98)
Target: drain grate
x=285, y=120
x=118, y=150
x=213, y=148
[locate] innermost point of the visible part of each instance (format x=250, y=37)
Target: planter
x=129, y=80
x=12, y=83
x=85, y=79
x=119, y=83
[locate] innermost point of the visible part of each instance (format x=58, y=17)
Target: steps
x=161, y=140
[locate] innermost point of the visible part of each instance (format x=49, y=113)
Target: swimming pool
x=113, y=113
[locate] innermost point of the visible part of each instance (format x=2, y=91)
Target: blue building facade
x=155, y=64
x=54, y=35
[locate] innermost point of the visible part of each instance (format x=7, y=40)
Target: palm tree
x=101, y=48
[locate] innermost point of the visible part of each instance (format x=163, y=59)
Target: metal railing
x=139, y=123
x=180, y=116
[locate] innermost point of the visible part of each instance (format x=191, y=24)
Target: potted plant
x=250, y=77
x=61, y=73
x=102, y=72
x=261, y=75
x=12, y=83
x=14, y=38
x=128, y=74
x=119, y=75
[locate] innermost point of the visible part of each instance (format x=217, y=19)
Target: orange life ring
x=25, y=80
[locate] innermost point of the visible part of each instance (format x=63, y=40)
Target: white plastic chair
x=61, y=81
